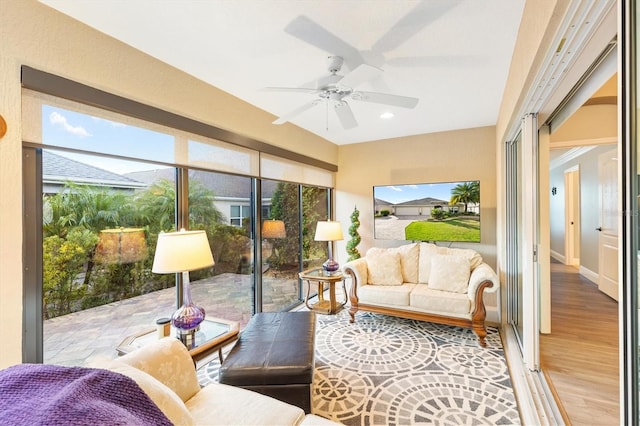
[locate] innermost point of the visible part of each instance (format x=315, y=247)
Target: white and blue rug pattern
x=383, y=370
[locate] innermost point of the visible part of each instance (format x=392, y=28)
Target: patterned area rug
x=383, y=370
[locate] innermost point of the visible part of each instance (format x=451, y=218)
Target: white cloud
x=395, y=188
x=58, y=119
x=109, y=122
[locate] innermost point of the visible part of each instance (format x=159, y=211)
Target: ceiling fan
x=335, y=89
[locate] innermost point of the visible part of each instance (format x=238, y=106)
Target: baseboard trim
x=492, y=315
x=558, y=256
x=589, y=274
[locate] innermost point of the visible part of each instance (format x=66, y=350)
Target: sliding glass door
x=514, y=239
x=521, y=237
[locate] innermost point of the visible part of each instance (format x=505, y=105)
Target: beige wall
x=587, y=126
x=35, y=35
x=467, y=154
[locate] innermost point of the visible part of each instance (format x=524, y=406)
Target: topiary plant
x=352, y=245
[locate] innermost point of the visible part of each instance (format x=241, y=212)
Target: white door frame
x=572, y=216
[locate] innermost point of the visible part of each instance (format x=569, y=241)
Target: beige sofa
x=165, y=371
x=423, y=281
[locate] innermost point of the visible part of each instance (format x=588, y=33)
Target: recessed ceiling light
x=386, y=115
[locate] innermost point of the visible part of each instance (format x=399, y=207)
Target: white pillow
x=409, y=254
x=474, y=257
x=383, y=267
x=449, y=273
x=427, y=251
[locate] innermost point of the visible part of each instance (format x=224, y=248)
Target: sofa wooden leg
x=481, y=332
x=352, y=314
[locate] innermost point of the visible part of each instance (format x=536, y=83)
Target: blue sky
x=401, y=193
x=71, y=129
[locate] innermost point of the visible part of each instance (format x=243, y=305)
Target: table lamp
x=329, y=231
x=182, y=252
x=121, y=246
x=273, y=229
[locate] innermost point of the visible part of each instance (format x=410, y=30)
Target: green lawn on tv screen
x=449, y=230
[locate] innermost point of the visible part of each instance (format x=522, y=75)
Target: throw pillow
x=409, y=254
x=383, y=267
x=449, y=273
x=427, y=251
x=474, y=257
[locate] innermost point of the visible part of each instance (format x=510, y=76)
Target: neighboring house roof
x=57, y=170
x=223, y=185
x=423, y=202
x=380, y=202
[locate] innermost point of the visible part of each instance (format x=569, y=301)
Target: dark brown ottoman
x=274, y=356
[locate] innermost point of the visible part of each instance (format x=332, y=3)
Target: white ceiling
x=453, y=55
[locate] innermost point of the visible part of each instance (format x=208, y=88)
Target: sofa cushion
x=218, y=404
x=166, y=400
x=383, y=266
x=390, y=295
x=440, y=302
x=449, y=273
x=409, y=255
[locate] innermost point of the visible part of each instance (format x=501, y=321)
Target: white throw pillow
x=474, y=257
x=449, y=273
x=383, y=266
x=409, y=254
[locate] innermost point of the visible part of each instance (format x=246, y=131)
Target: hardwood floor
x=580, y=356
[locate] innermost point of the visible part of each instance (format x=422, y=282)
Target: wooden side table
x=317, y=276
x=213, y=335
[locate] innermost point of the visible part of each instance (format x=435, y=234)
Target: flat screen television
x=438, y=211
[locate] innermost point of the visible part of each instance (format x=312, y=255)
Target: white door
x=608, y=229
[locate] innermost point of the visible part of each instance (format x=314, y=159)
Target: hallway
x=580, y=356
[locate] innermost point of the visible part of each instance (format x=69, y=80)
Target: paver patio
x=79, y=337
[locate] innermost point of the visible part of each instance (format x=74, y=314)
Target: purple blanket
x=37, y=394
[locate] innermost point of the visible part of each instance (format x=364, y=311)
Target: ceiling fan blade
x=361, y=74
x=438, y=61
x=310, y=32
x=290, y=89
x=385, y=98
x=345, y=115
x=413, y=22
x=284, y=118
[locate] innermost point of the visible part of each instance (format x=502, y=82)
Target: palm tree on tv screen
x=466, y=193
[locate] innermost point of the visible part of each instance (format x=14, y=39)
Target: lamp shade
x=182, y=251
x=273, y=229
x=328, y=231
x=121, y=245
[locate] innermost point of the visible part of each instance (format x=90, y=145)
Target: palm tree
x=466, y=193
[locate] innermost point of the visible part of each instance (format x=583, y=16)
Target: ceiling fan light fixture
x=387, y=115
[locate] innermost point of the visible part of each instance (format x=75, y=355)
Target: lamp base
x=330, y=267
x=187, y=318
